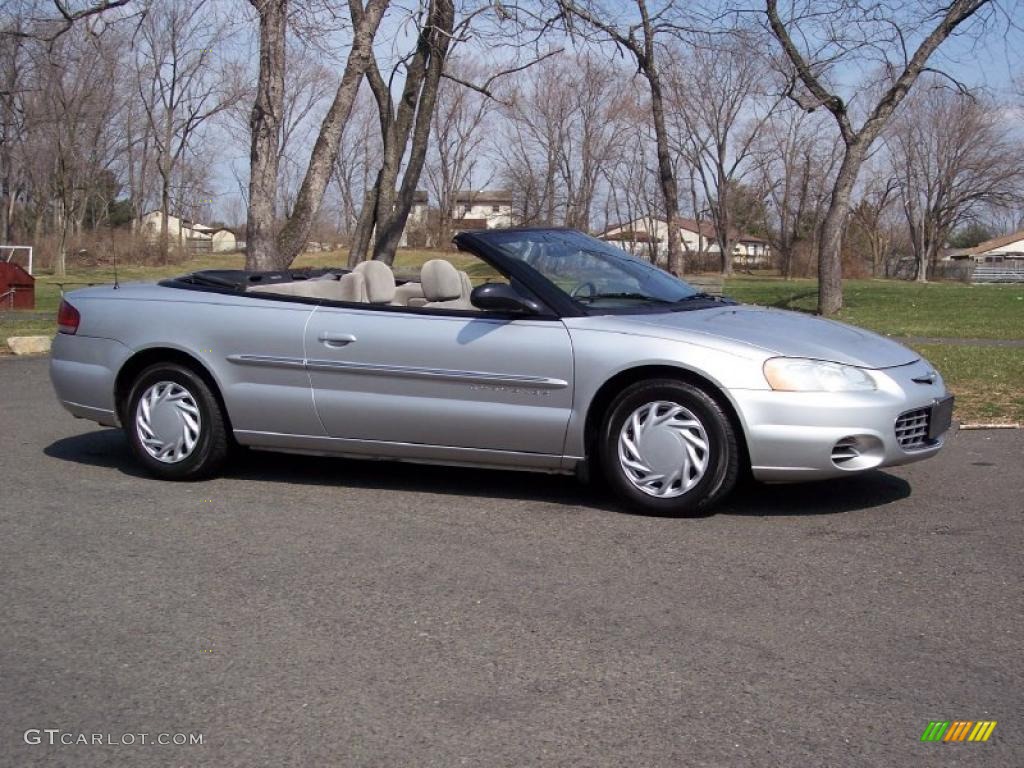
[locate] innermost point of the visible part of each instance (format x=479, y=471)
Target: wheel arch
x=610, y=389
x=144, y=358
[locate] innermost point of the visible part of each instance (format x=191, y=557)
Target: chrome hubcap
x=663, y=449
x=167, y=421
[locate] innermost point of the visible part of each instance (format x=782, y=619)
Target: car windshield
x=596, y=275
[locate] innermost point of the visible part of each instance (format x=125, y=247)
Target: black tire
x=211, y=447
x=723, y=453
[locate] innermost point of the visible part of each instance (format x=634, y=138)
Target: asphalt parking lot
x=304, y=611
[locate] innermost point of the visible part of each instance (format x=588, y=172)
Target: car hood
x=783, y=333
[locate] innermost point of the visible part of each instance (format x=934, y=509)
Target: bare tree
x=179, y=89
x=405, y=130
x=58, y=18
x=634, y=191
x=266, y=251
x=457, y=144
x=537, y=111
x=265, y=123
x=566, y=125
x=12, y=127
x=952, y=157
x=796, y=156
x=71, y=110
x=870, y=222
x=356, y=168
x=596, y=132
x=642, y=36
x=719, y=102
x=848, y=30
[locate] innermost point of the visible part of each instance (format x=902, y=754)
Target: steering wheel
x=577, y=292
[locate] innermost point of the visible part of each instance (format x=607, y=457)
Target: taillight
x=67, y=318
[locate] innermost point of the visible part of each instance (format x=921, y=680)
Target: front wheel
x=174, y=423
x=668, y=448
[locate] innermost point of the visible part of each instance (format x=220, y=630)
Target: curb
x=991, y=426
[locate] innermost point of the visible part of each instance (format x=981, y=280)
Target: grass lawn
x=988, y=381
x=897, y=308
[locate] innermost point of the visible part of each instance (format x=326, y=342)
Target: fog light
x=856, y=452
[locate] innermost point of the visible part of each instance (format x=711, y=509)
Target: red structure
x=17, y=287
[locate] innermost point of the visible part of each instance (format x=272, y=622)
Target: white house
x=149, y=225
x=648, y=235
x=998, y=250
x=417, y=220
x=483, y=209
x=198, y=237
x=223, y=239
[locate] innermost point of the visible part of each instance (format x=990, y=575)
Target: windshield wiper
x=701, y=300
x=700, y=296
x=622, y=295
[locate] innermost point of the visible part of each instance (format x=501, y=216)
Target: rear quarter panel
x=211, y=328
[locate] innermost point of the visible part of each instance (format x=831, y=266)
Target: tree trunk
x=830, y=243
x=391, y=224
x=363, y=232
x=60, y=268
x=265, y=128
x=666, y=175
x=295, y=233
x=165, y=204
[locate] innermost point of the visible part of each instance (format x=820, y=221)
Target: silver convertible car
x=570, y=356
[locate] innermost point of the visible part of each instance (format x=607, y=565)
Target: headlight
x=794, y=374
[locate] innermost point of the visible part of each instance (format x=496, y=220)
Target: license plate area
x=941, y=418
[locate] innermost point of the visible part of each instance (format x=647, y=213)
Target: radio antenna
x=113, y=251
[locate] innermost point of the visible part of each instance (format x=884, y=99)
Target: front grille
x=912, y=429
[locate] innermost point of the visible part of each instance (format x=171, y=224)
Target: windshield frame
x=487, y=245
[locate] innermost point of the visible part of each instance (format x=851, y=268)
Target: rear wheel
x=668, y=448
x=175, y=424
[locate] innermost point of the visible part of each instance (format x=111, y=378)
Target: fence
x=1006, y=272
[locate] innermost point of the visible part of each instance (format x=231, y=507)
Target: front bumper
x=795, y=436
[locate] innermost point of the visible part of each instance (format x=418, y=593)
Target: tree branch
x=485, y=88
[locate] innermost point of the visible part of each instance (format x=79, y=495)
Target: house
x=648, y=235
x=999, y=250
x=222, y=238
x=196, y=237
x=416, y=223
x=484, y=209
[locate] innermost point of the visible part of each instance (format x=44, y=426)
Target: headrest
x=440, y=281
x=380, y=281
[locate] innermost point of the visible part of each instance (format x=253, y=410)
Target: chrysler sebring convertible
x=567, y=355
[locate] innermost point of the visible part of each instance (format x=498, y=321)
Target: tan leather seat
x=444, y=286
x=380, y=281
x=409, y=295
x=467, y=285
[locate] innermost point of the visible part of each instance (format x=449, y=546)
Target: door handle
x=336, y=339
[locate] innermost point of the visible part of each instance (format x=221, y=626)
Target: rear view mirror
x=502, y=297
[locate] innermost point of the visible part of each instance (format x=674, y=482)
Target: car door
x=441, y=379
x=255, y=346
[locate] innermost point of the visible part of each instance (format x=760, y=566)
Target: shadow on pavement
x=109, y=449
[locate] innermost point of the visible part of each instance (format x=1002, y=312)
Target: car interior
x=441, y=285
